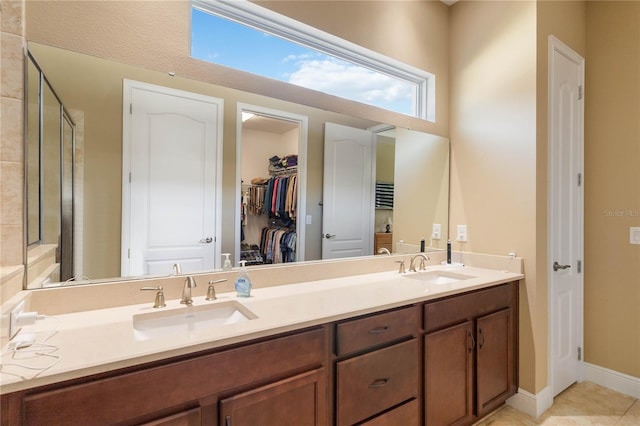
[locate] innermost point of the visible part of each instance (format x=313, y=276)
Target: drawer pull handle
x=481, y=339
x=379, y=383
x=378, y=330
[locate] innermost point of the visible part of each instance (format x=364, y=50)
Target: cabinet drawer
x=374, y=382
x=447, y=312
x=370, y=331
x=406, y=415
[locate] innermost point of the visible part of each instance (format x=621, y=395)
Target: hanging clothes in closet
x=281, y=197
x=278, y=245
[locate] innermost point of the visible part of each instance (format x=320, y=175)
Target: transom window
x=245, y=36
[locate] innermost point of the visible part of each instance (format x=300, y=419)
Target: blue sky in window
x=222, y=41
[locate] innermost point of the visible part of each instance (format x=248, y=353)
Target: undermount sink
x=438, y=277
x=189, y=319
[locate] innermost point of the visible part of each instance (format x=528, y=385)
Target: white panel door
x=171, y=214
x=347, y=214
x=566, y=213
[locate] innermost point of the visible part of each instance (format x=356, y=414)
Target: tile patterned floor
x=581, y=404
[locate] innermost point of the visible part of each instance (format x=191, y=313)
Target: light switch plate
x=461, y=233
x=436, y=231
x=634, y=235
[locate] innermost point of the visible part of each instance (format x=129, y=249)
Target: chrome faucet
x=189, y=283
x=384, y=250
x=423, y=258
x=176, y=269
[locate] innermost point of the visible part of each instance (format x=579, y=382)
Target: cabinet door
x=449, y=375
x=296, y=401
x=495, y=360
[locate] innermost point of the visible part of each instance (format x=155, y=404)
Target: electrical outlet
x=437, y=230
x=634, y=235
x=461, y=233
x=13, y=322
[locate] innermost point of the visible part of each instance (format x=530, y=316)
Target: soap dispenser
x=243, y=282
x=226, y=264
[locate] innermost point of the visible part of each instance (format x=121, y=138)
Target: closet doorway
x=270, y=185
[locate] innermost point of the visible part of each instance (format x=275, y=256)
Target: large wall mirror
x=91, y=88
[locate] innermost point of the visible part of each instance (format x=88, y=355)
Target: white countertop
x=102, y=340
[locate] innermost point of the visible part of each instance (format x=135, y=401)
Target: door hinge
x=579, y=179
x=579, y=353
x=130, y=108
x=128, y=253
x=579, y=266
x=580, y=92
x=129, y=177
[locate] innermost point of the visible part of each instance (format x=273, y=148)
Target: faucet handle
x=211, y=291
x=401, y=270
x=159, y=301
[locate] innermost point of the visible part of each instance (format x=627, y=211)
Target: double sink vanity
x=435, y=346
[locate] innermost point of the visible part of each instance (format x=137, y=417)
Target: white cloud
x=349, y=81
x=301, y=57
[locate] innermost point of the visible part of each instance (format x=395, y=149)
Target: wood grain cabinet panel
x=382, y=240
x=495, y=360
x=449, y=375
x=363, y=333
x=296, y=401
x=405, y=415
x=371, y=383
x=191, y=417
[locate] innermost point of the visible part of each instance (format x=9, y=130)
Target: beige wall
x=493, y=140
x=612, y=185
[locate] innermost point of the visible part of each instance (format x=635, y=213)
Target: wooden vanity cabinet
x=470, y=354
x=189, y=391
x=377, y=369
x=449, y=361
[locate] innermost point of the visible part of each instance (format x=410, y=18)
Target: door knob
x=557, y=266
x=206, y=240
x=329, y=236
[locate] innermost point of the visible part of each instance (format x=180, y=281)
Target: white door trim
x=128, y=87
x=555, y=45
x=303, y=129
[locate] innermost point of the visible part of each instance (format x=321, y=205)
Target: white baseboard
x=611, y=379
x=528, y=403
